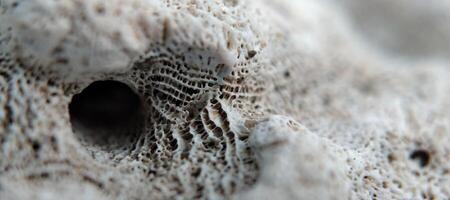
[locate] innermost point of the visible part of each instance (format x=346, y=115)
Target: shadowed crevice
x=106, y=113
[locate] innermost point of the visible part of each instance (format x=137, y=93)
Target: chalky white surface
x=280, y=99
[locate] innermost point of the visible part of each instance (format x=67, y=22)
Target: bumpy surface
x=238, y=100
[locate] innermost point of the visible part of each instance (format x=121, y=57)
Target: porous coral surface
x=236, y=100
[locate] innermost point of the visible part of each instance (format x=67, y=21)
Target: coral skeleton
x=222, y=99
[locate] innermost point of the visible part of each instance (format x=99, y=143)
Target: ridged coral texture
x=224, y=99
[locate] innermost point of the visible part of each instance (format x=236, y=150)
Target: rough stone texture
x=241, y=99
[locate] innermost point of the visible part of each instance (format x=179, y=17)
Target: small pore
x=422, y=156
x=251, y=54
x=100, y=9
x=106, y=113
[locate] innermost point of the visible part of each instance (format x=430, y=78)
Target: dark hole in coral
x=35, y=145
x=391, y=157
x=287, y=74
x=106, y=113
x=422, y=156
x=251, y=54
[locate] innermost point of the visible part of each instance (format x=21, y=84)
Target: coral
x=223, y=99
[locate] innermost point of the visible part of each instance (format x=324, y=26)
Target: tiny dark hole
x=36, y=146
x=100, y=9
x=422, y=156
x=45, y=175
x=391, y=157
x=251, y=54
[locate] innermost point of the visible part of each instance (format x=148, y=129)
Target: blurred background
x=406, y=29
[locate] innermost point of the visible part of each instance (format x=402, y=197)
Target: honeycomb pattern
x=241, y=100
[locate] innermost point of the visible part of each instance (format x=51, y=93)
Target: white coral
x=240, y=99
